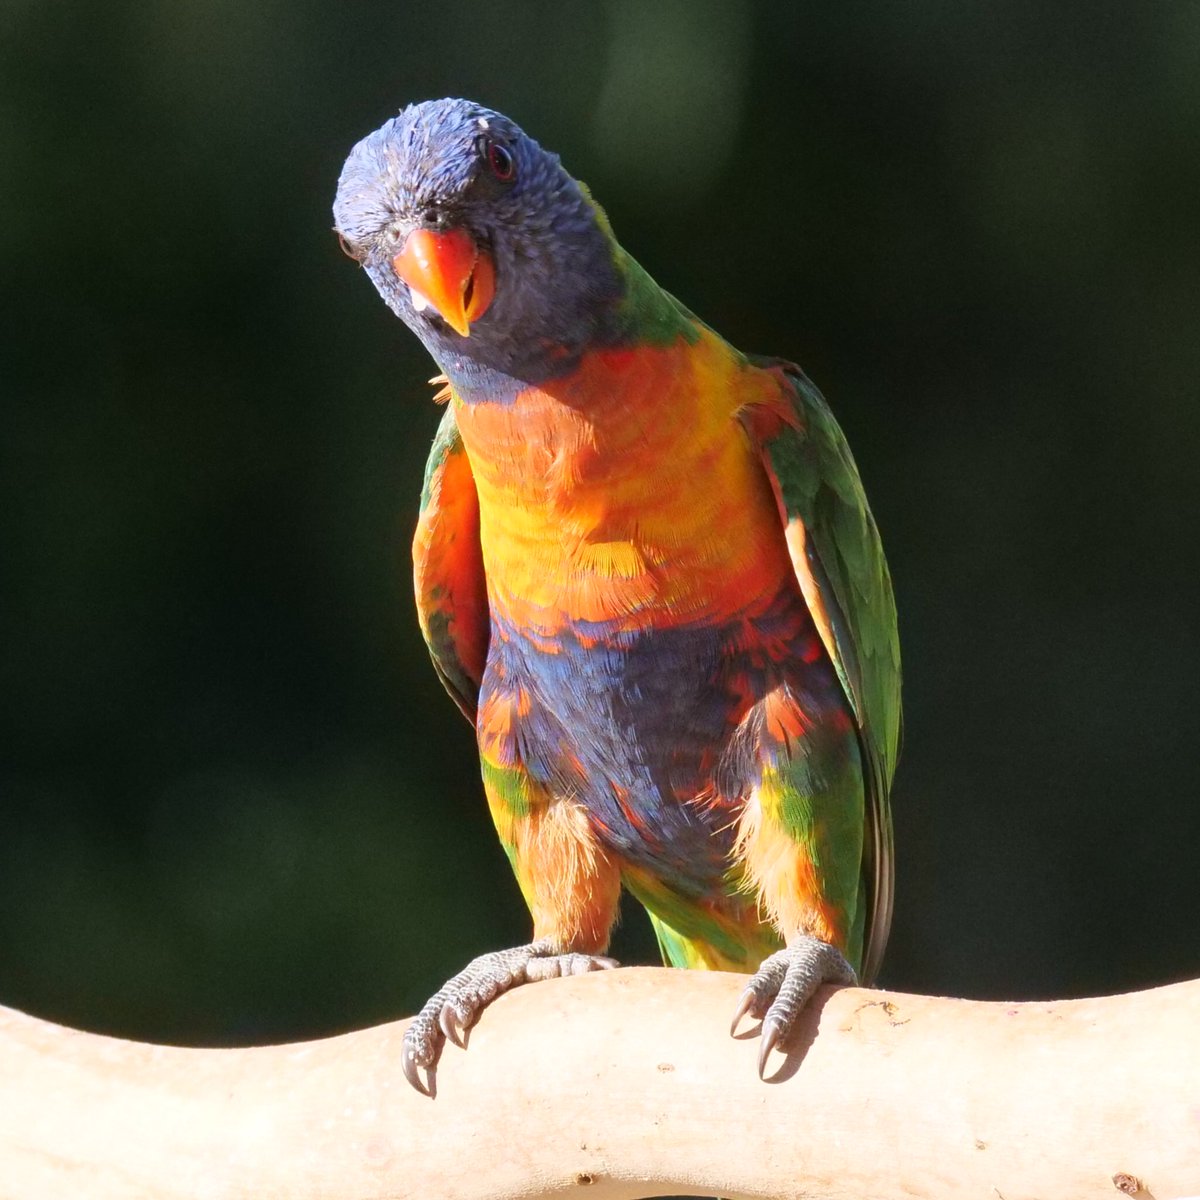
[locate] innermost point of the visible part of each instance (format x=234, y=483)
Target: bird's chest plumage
x=627, y=493
x=641, y=596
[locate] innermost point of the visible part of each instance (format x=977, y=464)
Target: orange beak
x=449, y=272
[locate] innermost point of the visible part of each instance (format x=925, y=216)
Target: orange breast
x=627, y=493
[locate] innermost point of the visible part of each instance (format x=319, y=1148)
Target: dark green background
x=236, y=804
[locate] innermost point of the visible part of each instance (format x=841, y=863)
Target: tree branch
x=625, y=1084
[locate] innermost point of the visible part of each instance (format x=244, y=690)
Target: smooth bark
x=624, y=1084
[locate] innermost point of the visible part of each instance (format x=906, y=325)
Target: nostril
x=434, y=218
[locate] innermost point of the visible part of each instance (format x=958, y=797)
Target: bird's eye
x=347, y=249
x=500, y=161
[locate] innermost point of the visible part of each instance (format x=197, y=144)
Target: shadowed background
x=237, y=805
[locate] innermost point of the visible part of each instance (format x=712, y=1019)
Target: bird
x=647, y=573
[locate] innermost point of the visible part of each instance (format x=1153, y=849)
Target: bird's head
x=478, y=239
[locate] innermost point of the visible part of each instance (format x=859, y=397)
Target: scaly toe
x=761, y=990
x=449, y=1015
x=559, y=965
x=414, y=1056
x=785, y=983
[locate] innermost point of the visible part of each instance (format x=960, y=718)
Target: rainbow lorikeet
x=647, y=573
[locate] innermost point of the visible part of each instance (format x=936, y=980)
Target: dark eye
x=500, y=161
x=347, y=249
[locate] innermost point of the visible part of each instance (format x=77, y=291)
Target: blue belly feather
x=639, y=727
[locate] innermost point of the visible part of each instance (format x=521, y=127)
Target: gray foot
x=784, y=984
x=456, y=1006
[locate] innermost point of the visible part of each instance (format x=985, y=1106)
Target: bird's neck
x=636, y=314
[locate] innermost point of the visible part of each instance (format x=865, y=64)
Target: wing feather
x=448, y=575
x=839, y=563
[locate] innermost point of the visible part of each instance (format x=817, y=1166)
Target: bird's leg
x=456, y=1005
x=784, y=984
x=571, y=885
x=800, y=842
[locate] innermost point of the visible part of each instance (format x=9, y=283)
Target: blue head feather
x=559, y=283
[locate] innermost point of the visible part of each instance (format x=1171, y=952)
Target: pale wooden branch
x=626, y=1084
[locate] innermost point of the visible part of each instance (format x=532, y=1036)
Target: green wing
x=839, y=562
x=448, y=576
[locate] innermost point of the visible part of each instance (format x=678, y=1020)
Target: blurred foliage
x=236, y=803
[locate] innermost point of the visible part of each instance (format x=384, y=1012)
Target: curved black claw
x=451, y=1011
x=784, y=984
